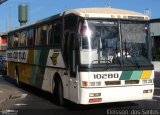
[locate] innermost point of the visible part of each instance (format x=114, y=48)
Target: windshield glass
x=134, y=43
x=113, y=43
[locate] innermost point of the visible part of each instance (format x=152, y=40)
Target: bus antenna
x=108, y=4
x=147, y=12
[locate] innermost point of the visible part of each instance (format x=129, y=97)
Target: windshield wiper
x=131, y=55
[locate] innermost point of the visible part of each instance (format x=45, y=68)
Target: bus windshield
x=114, y=43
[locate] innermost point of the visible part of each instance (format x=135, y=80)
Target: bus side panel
x=22, y=73
x=38, y=67
x=37, y=59
x=49, y=84
x=11, y=69
x=55, y=64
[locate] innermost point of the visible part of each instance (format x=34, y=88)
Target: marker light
x=94, y=94
x=84, y=83
x=147, y=91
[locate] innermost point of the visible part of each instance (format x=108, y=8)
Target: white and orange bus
x=87, y=56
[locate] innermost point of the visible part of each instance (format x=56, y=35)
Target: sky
x=39, y=9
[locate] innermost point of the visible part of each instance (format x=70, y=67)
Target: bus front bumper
x=115, y=94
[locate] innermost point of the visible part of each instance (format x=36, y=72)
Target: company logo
x=106, y=76
x=54, y=58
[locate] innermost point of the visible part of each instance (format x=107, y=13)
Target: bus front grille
x=128, y=82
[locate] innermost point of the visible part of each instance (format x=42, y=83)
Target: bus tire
x=59, y=93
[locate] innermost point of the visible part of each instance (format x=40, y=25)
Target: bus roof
x=92, y=13
x=107, y=13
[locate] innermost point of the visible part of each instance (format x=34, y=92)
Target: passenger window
x=41, y=36
x=23, y=38
x=57, y=34
x=10, y=41
x=31, y=37
x=44, y=35
x=50, y=34
x=38, y=33
x=71, y=23
x=15, y=38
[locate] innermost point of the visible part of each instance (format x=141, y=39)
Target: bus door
x=72, y=55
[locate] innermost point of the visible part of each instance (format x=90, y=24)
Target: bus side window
x=10, y=41
x=30, y=37
x=23, y=38
x=43, y=36
x=38, y=33
x=71, y=23
x=50, y=34
x=15, y=39
x=57, y=33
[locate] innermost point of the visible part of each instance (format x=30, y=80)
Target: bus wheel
x=17, y=77
x=59, y=93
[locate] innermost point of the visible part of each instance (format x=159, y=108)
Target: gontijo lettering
x=20, y=56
